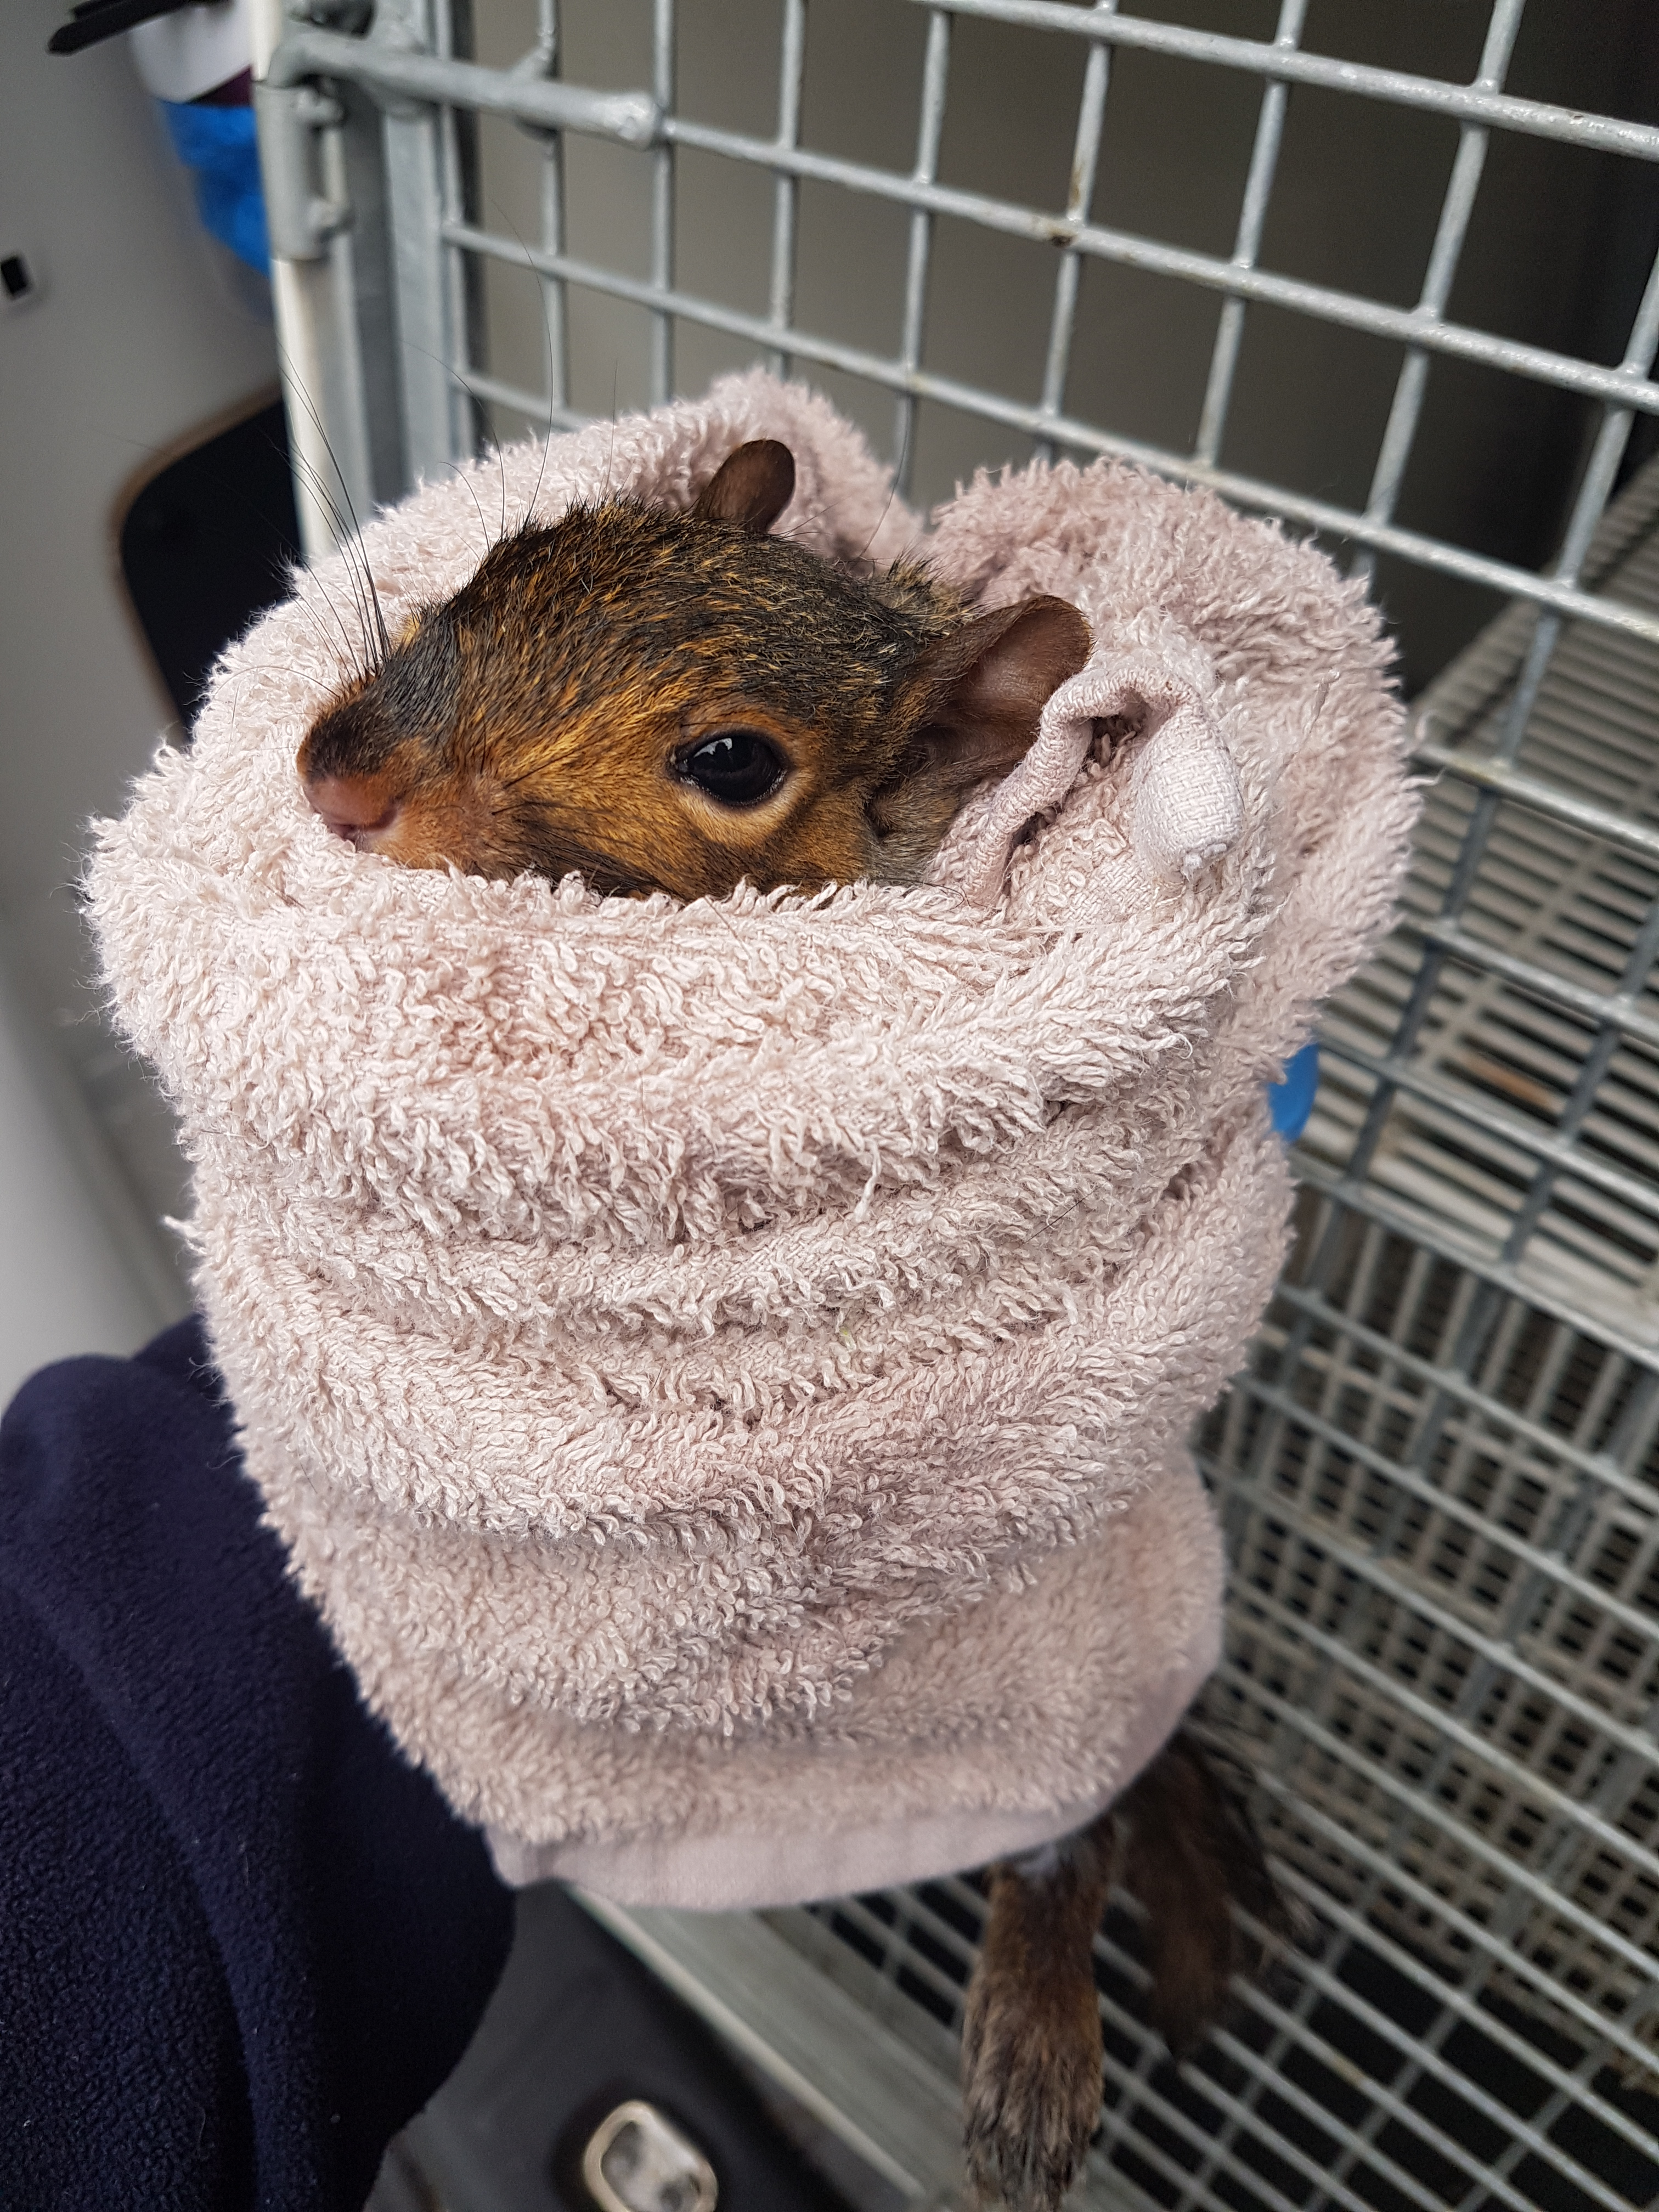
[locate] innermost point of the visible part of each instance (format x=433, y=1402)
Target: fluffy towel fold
x=723, y=1370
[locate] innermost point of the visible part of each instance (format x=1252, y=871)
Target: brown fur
x=1031, y=2044
x=541, y=719
x=1182, y=1842
x=1190, y=1856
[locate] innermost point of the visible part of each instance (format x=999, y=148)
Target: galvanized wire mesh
x=1438, y=1473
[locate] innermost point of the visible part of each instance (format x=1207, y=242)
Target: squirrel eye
x=739, y=768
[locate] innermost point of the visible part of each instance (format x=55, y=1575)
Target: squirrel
x=681, y=702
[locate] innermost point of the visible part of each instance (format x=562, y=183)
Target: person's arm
x=241, y=1940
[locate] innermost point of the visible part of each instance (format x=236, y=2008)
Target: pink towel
x=723, y=1370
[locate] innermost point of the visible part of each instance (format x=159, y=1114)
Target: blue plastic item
x=218, y=144
x=1289, y=1101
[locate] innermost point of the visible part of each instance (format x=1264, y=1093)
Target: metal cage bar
x=555, y=297
x=785, y=189
x=628, y=116
x=1252, y=215
x=1086, y=158
x=930, y=126
x=1321, y=515
x=1349, y=310
x=1456, y=207
x=1541, y=118
x=662, y=204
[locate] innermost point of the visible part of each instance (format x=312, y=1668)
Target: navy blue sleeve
x=241, y=1940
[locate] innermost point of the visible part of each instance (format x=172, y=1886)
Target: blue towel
x=218, y=145
x=241, y=1940
x=1289, y=1101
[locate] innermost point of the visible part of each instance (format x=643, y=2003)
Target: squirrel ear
x=751, y=487
x=973, y=703
x=990, y=681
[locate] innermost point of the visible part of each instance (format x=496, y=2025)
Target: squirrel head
x=681, y=702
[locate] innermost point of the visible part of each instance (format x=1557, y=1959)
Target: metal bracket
x=399, y=78
x=300, y=220
x=537, y=67
x=634, y=119
x=353, y=15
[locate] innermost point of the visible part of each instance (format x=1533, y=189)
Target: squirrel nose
x=357, y=807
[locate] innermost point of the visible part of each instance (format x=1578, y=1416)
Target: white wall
x=136, y=345
x=76, y=1270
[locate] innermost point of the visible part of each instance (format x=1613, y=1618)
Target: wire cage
x=1384, y=269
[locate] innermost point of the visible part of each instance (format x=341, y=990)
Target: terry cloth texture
x=241, y=1940
x=723, y=1370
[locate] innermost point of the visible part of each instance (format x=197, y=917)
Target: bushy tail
x=1187, y=1853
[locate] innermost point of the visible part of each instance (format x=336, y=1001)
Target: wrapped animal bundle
x=722, y=1368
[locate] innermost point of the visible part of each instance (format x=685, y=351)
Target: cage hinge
x=299, y=218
